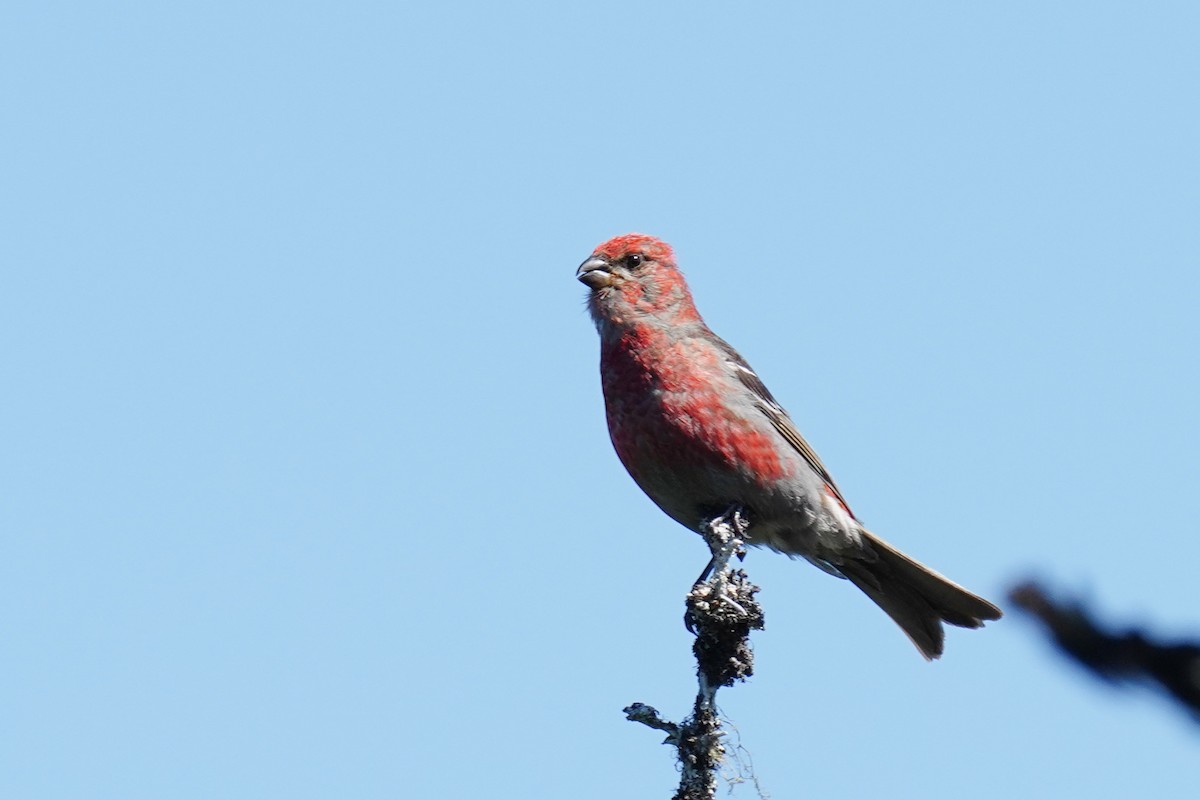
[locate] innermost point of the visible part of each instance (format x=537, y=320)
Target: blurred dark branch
x=1115, y=655
x=721, y=611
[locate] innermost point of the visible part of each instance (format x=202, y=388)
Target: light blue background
x=307, y=491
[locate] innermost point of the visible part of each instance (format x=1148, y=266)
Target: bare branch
x=1115, y=655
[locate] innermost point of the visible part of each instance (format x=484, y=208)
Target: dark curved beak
x=595, y=272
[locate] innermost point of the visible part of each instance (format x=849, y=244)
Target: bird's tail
x=916, y=597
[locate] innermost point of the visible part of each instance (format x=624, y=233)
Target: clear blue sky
x=307, y=491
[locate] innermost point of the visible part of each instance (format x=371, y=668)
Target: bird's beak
x=595, y=273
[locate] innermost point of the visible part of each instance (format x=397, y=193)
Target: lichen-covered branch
x=721, y=611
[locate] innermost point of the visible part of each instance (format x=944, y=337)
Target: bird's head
x=633, y=278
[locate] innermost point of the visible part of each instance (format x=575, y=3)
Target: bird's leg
x=722, y=541
x=723, y=534
x=712, y=562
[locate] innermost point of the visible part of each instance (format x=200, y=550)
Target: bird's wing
x=780, y=419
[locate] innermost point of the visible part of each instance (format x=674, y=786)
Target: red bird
x=699, y=433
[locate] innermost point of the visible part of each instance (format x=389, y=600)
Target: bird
x=700, y=433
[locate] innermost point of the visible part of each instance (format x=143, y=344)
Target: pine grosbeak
x=699, y=433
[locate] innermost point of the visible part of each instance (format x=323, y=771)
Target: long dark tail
x=916, y=597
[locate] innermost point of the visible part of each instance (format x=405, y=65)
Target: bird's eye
x=635, y=260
